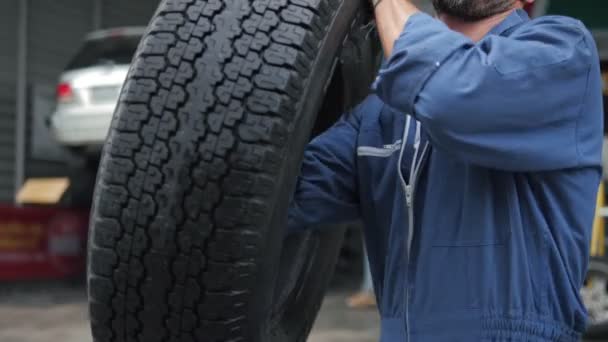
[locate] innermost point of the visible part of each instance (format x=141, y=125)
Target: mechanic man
x=475, y=167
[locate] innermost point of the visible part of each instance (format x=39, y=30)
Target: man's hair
x=472, y=10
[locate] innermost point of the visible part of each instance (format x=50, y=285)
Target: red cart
x=41, y=242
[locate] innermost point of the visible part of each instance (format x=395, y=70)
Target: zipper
x=409, y=188
x=401, y=153
x=413, y=183
x=408, y=198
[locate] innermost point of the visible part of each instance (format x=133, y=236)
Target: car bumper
x=83, y=128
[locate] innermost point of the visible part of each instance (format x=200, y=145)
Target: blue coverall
x=475, y=168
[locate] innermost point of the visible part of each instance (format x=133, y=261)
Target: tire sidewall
x=321, y=71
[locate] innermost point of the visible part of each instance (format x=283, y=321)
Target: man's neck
x=475, y=30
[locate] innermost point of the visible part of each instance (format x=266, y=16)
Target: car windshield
x=110, y=50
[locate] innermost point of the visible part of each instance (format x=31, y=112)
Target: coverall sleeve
x=326, y=191
x=509, y=103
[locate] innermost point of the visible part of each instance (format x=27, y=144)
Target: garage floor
x=44, y=312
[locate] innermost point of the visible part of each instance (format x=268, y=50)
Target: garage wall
x=591, y=12
x=601, y=37
x=117, y=13
x=8, y=62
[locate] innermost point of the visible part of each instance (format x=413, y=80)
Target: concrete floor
x=57, y=312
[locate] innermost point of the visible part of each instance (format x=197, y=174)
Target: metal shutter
x=119, y=13
x=8, y=67
x=7, y=141
x=55, y=30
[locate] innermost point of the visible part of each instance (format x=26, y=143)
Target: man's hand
x=391, y=16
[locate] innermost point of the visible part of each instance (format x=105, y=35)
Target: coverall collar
x=515, y=18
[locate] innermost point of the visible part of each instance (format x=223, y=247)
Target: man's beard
x=472, y=10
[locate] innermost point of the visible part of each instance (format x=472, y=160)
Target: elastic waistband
x=474, y=327
x=510, y=329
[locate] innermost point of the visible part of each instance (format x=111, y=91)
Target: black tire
x=186, y=239
x=598, y=268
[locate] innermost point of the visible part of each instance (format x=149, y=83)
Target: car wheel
x=187, y=230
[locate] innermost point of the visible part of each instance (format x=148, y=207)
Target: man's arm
x=392, y=16
x=326, y=191
x=509, y=103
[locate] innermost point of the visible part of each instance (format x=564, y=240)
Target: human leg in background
x=365, y=298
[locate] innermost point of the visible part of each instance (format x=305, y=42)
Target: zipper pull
x=408, y=195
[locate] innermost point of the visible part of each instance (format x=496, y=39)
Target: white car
x=89, y=87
